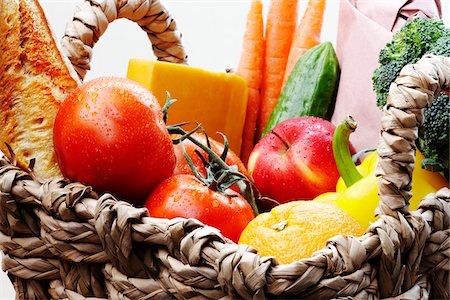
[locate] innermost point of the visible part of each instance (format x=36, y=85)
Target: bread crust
x=34, y=79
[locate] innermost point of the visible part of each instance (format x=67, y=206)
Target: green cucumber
x=311, y=88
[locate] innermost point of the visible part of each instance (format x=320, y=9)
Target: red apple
x=295, y=160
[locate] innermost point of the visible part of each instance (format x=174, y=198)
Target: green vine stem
x=222, y=178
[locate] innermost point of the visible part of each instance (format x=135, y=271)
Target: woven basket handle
x=414, y=89
x=92, y=17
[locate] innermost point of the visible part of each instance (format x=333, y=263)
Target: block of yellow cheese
x=216, y=100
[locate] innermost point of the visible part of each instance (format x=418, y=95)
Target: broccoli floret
x=442, y=46
x=434, y=135
x=382, y=76
x=416, y=38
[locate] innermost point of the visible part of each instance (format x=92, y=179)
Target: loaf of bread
x=34, y=79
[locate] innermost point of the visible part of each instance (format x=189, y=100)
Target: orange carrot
x=281, y=22
x=307, y=34
x=250, y=68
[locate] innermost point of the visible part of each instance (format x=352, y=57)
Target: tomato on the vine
x=109, y=133
x=187, y=197
x=182, y=166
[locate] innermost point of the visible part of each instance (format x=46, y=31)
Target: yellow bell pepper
x=360, y=198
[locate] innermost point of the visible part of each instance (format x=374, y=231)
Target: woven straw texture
x=62, y=240
x=92, y=18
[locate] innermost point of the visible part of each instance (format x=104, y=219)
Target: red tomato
x=185, y=196
x=182, y=166
x=109, y=133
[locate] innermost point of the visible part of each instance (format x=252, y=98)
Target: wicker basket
x=63, y=240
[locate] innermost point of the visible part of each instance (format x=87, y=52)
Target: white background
x=212, y=34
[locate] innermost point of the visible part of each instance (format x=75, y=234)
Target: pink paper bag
x=365, y=26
